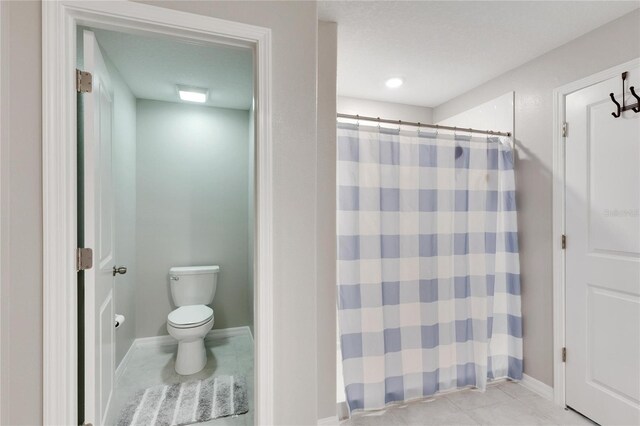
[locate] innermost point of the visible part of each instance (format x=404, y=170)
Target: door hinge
x=84, y=81
x=564, y=354
x=84, y=259
x=564, y=242
x=564, y=129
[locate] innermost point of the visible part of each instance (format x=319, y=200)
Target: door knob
x=119, y=270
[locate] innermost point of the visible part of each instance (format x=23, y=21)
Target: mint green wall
x=192, y=166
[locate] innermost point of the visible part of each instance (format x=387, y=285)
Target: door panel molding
x=559, y=214
x=59, y=173
x=596, y=296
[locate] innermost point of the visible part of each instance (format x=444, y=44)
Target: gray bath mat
x=188, y=402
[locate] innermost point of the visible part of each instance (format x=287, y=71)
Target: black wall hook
x=624, y=77
x=635, y=109
x=613, y=98
x=620, y=108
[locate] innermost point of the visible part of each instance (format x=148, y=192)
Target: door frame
x=559, y=216
x=60, y=19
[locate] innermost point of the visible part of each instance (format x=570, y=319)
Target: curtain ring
x=357, y=120
x=418, y=128
x=378, y=123
x=399, y=126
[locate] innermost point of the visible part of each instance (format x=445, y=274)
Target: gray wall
x=533, y=82
x=124, y=171
x=192, y=207
x=21, y=214
x=390, y=110
x=326, y=218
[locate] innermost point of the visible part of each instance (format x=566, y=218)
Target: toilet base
x=191, y=358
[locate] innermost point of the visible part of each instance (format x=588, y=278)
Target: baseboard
x=223, y=333
x=124, y=362
x=329, y=421
x=537, y=386
x=143, y=342
x=220, y=333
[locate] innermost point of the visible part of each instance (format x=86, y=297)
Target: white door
x=98, y=235
x=603, y=255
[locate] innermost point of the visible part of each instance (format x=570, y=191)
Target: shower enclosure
x=428, y=270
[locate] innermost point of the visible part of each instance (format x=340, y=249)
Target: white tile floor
x=505, y=403
x=153, y=365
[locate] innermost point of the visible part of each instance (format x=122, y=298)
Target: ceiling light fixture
x=394, y=82
x=192, y=94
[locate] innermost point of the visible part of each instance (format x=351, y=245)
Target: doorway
x=599, y=296
x=166, y=202
x=61, y=367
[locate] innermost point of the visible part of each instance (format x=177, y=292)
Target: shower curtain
x=428, y=269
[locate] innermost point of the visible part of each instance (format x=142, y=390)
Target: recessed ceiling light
x=192, y=94
x=394, y=82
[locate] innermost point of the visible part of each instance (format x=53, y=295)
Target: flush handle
x=119, y=270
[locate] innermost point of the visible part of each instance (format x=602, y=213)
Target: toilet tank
x=193, y=285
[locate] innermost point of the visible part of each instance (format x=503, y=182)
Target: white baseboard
x=124, y=362
x=537, y=386
x=166, y=340
x=223, y=333
x=220, y=333
x=329, y=421
x=144, y=342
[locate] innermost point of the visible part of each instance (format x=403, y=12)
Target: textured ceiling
x=153, y=66
x=443, y=49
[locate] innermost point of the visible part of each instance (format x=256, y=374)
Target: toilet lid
x=190, y=316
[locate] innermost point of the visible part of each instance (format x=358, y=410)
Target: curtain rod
x=428, y=126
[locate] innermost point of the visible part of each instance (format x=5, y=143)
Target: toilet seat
x=190, y=316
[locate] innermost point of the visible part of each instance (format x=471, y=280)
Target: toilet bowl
x=192, y=289
x=189, y=325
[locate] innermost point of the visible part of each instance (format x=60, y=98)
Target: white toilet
x=192, y=289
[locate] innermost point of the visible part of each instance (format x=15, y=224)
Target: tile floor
x=153, y=365
x=504, y=403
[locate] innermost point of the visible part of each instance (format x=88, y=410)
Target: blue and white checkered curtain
x=429, y=280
